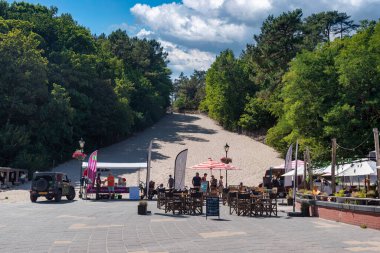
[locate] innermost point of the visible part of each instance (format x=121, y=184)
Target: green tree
x=190, y=91
x=226, y=84
x=23, y=91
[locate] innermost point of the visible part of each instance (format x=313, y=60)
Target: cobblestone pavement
x=114, y=226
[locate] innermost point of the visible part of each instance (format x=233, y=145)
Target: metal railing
x=346, y=200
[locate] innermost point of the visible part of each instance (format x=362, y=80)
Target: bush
x=290, y=194
x=359, y=194
x=371, y=194
x=339, y=193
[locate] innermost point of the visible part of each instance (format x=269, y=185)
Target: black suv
x=52, y=185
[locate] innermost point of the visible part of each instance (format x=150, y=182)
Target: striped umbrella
x=214, y=165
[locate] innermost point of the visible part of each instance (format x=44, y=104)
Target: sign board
x=204, y=186
x=212, y=206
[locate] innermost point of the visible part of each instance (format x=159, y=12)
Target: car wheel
x=58, y=196
x=49, y=197
x=33, y=198
x=71, y=195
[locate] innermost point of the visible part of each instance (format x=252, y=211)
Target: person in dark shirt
x=196, y=181
x=98, y=182
x=171, y=182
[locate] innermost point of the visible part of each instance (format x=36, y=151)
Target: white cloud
x=186, y=60
x=200, y=29
x=247, y=10
x=204, y=5
x=184, y=24
x=144, y=33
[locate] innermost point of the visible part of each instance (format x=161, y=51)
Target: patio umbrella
x=214, y=165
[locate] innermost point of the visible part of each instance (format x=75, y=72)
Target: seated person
x=121, y=182
x=152, y=191
x=241, y=187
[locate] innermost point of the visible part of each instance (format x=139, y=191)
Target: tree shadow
x=173, y=128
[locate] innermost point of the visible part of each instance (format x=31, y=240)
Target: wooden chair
x=195, y=203
x=160, y=198
x=243, y=204
x=225, y=196
x=273, y=202
x=168, y=201
x=232, y=201
x=256, y=206
x=179, y=203
x=266, y=204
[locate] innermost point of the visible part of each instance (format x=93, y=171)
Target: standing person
x=220, y=185
x=204, y=181
x=204, y=178
x=196, y=181
x=214, y=184
x=111, y=184
x=98, y=182
x=171, y=182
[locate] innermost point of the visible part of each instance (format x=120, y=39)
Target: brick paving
x=114, y=226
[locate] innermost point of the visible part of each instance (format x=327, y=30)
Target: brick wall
x=353, y=217
x=371, y=220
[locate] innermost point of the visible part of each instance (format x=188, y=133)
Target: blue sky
x=100, y=16
x=193, y=32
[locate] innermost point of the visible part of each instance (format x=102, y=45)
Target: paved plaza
x=114, y=226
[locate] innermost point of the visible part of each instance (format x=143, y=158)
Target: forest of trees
x=59, y=83
x=310, y=79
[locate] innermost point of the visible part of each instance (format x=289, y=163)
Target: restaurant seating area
x=246, y=202
x=249, y=204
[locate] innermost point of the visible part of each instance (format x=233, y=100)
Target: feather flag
x=288, y=165
x=92, y=165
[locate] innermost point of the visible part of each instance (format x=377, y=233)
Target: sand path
x=199, y=134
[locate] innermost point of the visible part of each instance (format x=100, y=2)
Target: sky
x=194, y=32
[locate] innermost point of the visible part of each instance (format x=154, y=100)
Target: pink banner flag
x=92, y=165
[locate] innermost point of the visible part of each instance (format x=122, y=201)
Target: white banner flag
x=180, y=170
x=148, y=167
x=288, y=165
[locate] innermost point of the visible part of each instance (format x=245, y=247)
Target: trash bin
x=142, y=208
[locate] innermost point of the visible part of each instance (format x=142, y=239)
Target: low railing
x=346, y=200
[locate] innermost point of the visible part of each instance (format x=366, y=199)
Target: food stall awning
x=117, y=165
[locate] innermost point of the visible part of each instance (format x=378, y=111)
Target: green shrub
x=371, y=194
x=290, y=194
x=339, y=193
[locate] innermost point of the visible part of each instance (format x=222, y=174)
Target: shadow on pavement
x=172, y=215
x=52, y=202
x=220, y=219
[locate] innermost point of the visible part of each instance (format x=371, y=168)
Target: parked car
x=51, y=185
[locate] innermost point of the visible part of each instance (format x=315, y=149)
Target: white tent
x=327, y=170
x=292, y=172
x=131, y=166
x=359, y=168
